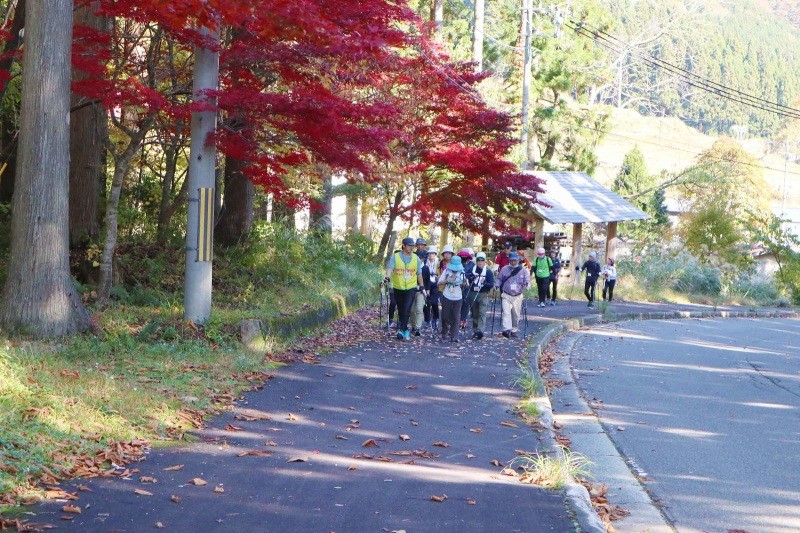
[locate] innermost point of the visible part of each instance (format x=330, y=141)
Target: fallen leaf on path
x=495, y=462
x=219, y=489
x=142, y=492
x=414, y=423
x=254, y=453
x=369, y=443
x=438, y=499
x=251, y=418
x=231, y=427
x=441, y=444
x=297, y=460
x=58, y=494
x=471, y=456
x=291, y=418
x=159, y=525
x=405, y=438
x=148, y=479
x=508, y=424
x=340, y=437
x=412, y=387
x=470, y=501
x=173, y=468
x=476, y=430
x=198, y=481
x=74, y=509
x=175, y=499
x=351, y=468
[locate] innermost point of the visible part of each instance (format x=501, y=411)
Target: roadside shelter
x=576, y=198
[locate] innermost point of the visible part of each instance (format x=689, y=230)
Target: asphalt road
x=708, y=411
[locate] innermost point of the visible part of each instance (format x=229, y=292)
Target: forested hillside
x=744, y=47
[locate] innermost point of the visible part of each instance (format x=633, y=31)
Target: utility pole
x=525, y=28
x=202, y=162
x=477, y=34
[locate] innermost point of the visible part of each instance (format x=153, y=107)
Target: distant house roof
x=576, y=198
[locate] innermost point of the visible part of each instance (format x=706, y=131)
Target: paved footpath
x=360, y=442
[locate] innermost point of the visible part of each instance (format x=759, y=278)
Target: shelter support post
x=577, y=252
x=538, y=227
x=611, y=240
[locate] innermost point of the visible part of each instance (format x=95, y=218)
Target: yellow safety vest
x=404, y=276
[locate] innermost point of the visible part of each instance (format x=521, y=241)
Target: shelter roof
x=575, y=197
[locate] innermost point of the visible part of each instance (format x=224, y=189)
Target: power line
x=728, y=93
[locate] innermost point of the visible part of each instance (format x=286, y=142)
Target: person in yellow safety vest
x=404, y=272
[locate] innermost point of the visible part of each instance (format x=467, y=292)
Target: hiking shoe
x=417, y=332
x=407, y=334
x=478, y=335
x=591, y=305
x=552, y=302
x=393, y=324
x=514, y=334
x=506, y=333
x=541, y=304
x=400, y=336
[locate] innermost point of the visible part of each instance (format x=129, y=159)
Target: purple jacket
x=514, y=285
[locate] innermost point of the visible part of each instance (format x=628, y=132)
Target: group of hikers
x=440, y=291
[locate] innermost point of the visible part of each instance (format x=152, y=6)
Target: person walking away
x=553, y=284
x=450, y=283
x=430, y=275
x=609, y=274
x=512, y=282
x=501, y=259
x=469, y=266
x=482, y=284
x=592, y=269
x=422, y=249
x=542, y=270
x=404, y=272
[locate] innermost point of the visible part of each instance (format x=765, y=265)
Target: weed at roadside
x=552, y=472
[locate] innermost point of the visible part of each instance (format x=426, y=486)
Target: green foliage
x=783, y=244
x=635, y=184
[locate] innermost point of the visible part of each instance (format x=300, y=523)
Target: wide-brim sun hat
x=455, y=264
x=447, y=248
x=432, y=250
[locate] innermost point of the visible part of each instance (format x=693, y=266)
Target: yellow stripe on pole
x=205, y=233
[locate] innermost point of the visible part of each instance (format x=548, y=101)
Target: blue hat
x=408, y=241
x=513, y=256
x=455, y=264
x=421, y=241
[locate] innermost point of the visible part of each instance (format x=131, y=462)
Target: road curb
x=576, y=495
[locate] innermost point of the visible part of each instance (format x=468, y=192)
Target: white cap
x=448, y=248
x=593, y=254
x=540, y=251
x=432, y=250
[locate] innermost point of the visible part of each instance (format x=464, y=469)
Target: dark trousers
x=588, y=289
x=541, y=286
x=552, y=294
x=466, y=308
x=392, y=304
x=404, y=300
x=432, y=309
x=609, y=287
x=451, y=312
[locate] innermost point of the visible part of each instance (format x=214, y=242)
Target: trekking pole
x=380, y=306
x=525, y=312
x=494, y=307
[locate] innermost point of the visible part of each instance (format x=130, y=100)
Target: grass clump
x=529, y=381
x=552, y=472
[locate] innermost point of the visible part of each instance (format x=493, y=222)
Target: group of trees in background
x=378, y=101
x=308, y=90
